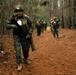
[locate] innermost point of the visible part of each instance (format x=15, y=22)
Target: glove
x=28, y=36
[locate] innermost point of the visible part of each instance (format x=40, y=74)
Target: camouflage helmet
x=18, y=8
x=54, y=18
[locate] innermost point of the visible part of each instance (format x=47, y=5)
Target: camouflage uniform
x=21, y=39
x=45, y=25
x=38, y=27
x=51, y=25
x=55, y=27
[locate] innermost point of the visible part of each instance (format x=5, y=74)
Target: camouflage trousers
x=18, y=43
x=54, y=32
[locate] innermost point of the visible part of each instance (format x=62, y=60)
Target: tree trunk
x=62, y=16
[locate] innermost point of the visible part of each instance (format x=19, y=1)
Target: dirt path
x=53, y=56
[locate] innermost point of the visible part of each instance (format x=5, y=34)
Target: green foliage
x=41, y=12
x=1, y=2
x=38, y=9
x=35, y=10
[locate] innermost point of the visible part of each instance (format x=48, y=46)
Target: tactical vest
x=22, y=26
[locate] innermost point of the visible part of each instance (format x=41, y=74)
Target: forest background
x=44, y=9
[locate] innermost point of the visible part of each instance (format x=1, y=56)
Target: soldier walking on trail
x=22, y=34
x=45, y=25
x=54, y=27
x=38, y=27
x=51, y=26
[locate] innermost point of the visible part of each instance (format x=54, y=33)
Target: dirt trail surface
x=53, y=56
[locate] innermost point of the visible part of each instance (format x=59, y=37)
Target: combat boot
x=54, y=34
x=57, y=35
x=33, y=48
x=19, y=67
x=27, y=61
